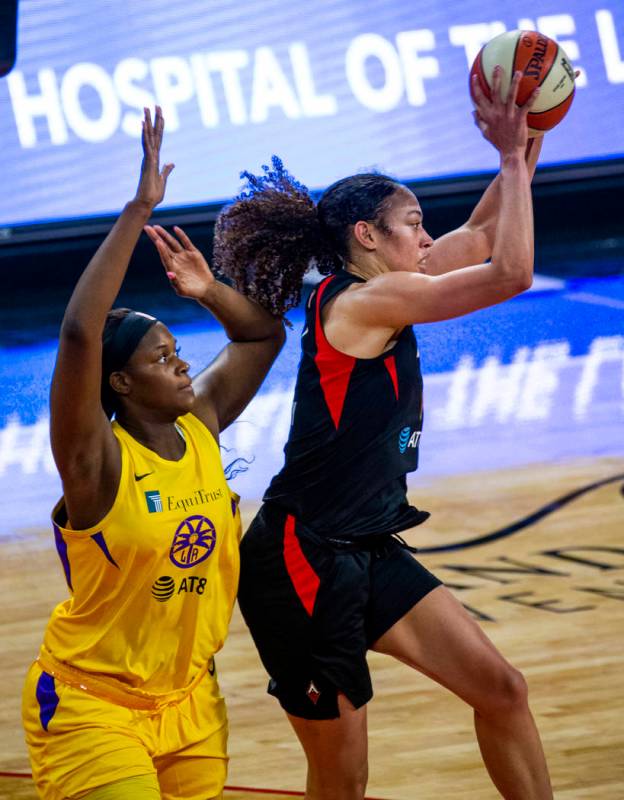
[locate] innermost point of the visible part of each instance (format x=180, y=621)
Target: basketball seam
x=554, y=61
x=513, y=60
x=553, y=108
x=483, y=81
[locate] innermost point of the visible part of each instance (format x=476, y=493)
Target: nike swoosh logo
x=140, y=477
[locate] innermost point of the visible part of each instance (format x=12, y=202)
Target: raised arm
x=394, y=299
x=83, y=444
x=473, y=242
x=225, y=387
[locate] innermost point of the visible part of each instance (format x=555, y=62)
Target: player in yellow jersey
x=123, y=701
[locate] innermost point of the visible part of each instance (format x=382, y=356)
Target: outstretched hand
x=185, y=266
x=152, y=182
x=502, y=122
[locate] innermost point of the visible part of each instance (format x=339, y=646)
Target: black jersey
x=355, y=431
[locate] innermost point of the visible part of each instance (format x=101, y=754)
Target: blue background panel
x=539, y=378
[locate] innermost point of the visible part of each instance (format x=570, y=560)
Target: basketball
x=542, y=62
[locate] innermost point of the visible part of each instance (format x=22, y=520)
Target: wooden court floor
x=536, y=554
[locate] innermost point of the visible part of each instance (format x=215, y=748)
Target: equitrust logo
x=154, y=502
x=157, y=502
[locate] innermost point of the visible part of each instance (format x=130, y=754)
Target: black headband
x=124, y=341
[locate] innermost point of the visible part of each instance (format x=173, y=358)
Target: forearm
x=101, y=281
x=485, y=213
x=512, y=255
x=243, y=320
x=473, y=243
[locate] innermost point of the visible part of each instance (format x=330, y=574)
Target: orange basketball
x=542, y=62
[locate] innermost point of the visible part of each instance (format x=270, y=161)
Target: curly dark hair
x=273, y=233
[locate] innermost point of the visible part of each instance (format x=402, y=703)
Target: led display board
x=333, y=87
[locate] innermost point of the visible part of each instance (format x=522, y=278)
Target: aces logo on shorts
x=193, y=541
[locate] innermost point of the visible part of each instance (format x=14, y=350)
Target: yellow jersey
x=153, y=584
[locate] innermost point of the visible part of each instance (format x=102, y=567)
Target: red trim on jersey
x=334, y=367
x=391, y=367
x=303, y=577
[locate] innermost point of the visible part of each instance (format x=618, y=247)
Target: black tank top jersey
x=354, y=434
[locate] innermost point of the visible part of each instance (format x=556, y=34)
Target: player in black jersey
x=324, y=576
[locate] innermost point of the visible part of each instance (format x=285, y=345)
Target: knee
x=507, y=693
x=347, y=782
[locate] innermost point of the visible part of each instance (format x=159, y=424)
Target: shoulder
x=350, y=325
x=197, y=430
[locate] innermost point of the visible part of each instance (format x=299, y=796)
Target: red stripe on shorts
x=303, y=577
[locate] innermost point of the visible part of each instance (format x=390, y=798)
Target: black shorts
x=314, y=608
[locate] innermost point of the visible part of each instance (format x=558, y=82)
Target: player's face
x=159, y=379
x=406, y=247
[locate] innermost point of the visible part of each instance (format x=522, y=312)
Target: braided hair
x=273, y=232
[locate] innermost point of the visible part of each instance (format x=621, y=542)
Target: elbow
x=79, y=333
x=517, y=284
x=279, y=338
x=517, y=276
x=73, y=330
x=274, y=339
x=524, y=282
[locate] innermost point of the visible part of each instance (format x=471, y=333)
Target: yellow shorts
x=78, y=742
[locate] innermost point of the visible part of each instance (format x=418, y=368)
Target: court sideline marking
x=525, y=522
x=250, y=789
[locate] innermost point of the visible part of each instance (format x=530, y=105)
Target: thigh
x=141, y=787
x=191, y=760
x=398, y=583
x=191, y=777
x=336, y=749
x=305, y=606
x=440, y=639
x=77, y=742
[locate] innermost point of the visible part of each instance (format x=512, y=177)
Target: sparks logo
x=193, y=541
x=407, y=438
x=154, y=502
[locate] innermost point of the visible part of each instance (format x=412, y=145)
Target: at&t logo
x=164, y=587
x=408, y=438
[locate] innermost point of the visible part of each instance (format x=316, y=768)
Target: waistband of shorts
x=375, y=542
x=112, y=690
x=273, y=513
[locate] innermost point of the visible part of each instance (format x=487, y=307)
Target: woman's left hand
x=153, y=180
x=185, y=266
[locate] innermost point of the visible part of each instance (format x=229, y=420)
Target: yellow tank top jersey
x=153, y=584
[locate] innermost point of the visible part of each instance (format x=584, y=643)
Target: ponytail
x=266, y=240
x=273, y=232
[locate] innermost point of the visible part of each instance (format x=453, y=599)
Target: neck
x=365, y=269
x=161, y=437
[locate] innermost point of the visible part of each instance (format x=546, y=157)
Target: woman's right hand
x=185, y=266
x=502, y=122
x=152, y=181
